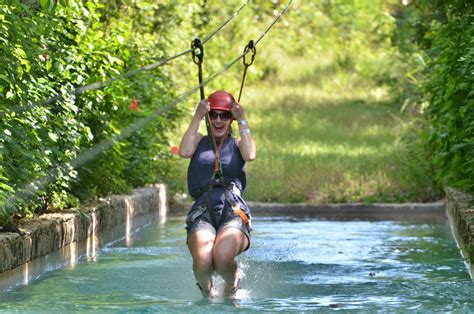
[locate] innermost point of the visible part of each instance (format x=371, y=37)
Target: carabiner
x=250, y=48
x=197, y=51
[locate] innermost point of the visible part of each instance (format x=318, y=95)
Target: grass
x=326, y=136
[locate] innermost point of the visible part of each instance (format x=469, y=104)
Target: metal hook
x=197, y=50
x=250, y=48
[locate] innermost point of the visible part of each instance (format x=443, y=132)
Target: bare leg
x=228, y=244
x=200, y=245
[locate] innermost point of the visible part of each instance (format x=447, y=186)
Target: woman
x=217, y=225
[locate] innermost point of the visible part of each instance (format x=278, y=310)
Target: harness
x=230, y=189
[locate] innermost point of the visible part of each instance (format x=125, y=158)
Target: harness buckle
x=235, y=206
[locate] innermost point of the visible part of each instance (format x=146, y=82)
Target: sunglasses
x=224, y=115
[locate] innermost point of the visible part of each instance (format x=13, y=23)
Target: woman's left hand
x=238, y=112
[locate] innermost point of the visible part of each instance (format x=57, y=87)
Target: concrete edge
x=50, y=232
x=377, y=211
x=434, y=211
x=461, y=216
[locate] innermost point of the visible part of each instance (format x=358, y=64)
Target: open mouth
x=220, y=127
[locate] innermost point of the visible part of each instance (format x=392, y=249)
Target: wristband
x=245, y=131
x=243, y=122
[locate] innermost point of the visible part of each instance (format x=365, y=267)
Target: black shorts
x=225, y=218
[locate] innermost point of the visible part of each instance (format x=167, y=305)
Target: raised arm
x=191, y=138
x=247, y=147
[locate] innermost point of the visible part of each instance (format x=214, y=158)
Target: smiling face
x=220, y=122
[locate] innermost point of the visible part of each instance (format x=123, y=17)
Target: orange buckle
x=239, y=212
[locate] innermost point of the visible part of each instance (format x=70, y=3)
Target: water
x=293, y=265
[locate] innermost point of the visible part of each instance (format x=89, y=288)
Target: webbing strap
x=249, y=48
x=197, y=51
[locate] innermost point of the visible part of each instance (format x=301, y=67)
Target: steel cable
x=97, y=85
x=225, y=23
x=273, y=23
x=92, y=152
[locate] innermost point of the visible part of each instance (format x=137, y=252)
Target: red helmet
x=221, y=100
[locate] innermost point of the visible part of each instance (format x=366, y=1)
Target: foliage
x=439, y=34
x=51, y=153
x=326, y=114
x=76, y=147
x=55, y=154
x=449, y=89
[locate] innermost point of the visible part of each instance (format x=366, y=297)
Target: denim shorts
x=224, y=218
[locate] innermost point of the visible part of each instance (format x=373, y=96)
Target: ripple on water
x=303, y=265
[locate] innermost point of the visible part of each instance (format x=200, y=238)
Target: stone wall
x=462, y=215
x=51, y=232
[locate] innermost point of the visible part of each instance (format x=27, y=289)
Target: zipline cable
x=89, y=154
x=273, y=23
x=225, y=23
x=98, y=85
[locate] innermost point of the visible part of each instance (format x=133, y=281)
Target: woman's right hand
x=203, y=108
x=191, y=138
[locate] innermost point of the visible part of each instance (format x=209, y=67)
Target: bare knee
x=200, y=246
x=228, y=245
x=203, y=264
x=223, y=260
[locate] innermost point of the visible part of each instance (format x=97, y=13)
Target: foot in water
x=231, y=291
x=210, y=292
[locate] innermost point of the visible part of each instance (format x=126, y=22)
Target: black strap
x=197, y=51
x=215, y=182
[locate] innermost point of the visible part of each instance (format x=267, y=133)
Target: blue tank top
x=201, y=170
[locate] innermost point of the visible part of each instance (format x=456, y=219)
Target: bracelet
x=243, y=122
x=245, y=131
